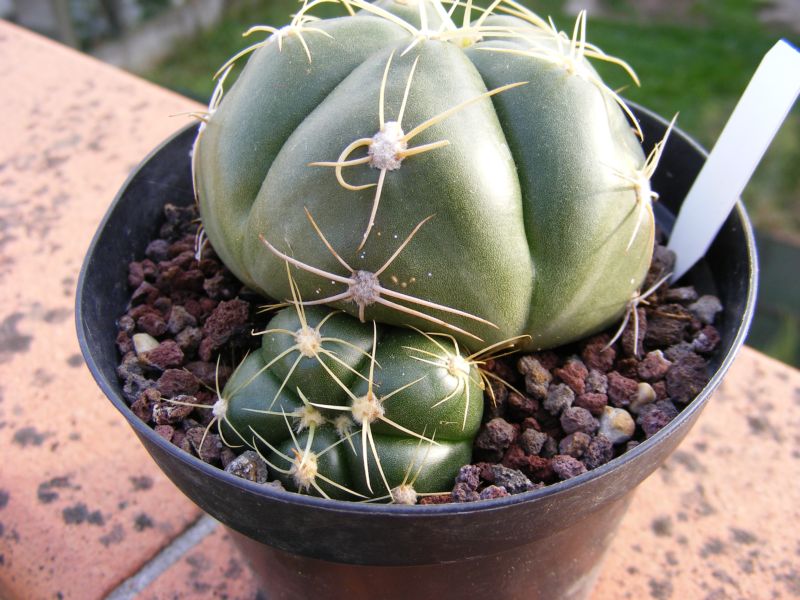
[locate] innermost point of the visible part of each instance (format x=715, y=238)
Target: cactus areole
x=465, y=174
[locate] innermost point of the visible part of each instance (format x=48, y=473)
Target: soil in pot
x=548, y=416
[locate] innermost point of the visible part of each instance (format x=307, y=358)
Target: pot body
x=547, y=543
x=564, y=567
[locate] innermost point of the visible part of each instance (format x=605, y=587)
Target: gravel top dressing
x=548, y=416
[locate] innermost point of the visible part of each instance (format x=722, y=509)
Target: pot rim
x=345, y=506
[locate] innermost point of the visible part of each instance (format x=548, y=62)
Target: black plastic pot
x=542, y=544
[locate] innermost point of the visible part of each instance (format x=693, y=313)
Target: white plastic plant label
x=756, y=119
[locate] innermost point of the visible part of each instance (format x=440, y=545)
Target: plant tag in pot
x=756, y=119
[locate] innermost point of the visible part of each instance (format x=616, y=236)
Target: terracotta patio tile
x=719, y=519
x=214, y=568
x=81, y=504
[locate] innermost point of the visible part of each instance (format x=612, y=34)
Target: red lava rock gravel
x=563, y=411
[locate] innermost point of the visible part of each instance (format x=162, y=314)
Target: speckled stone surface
x=720, y=518
x=82, y=506
x=214, y=568
x=84, y=510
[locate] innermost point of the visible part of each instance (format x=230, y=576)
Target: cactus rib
x=389, y=146
x=365, y=289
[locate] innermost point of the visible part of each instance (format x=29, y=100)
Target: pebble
x=706, y=308
x=189, y=340
x=654, y=417
x=532, y=441
x=539, y=468
x=573, y=373
x=515, y=458
x=227, y=456
x=180, y=319
x=593, y=402
x=520, y=406
x=559, y=397
x=174, y=382
x=192, y=280
x=550, y=447
x=537, y=378
x=206, y=373
x=163, y=305
x=575, y=444
x=463, y=493
x=219, y=287
x=513, y=480
x=134, y=386
x=599, y=452
x=134, y=381
x=145, y=293
x=677, y=351
x=126, y=324
x=566, y=467
x=627, y=367
x=157, y=250
x=226, y=320
x=621, y=390
x=668, y=326
x=654, y=366
x=437, y=499
x=682, y=295
x=470, y=475
x=171, y=413
x=135, y=274
x=596, y=382
x=617, y=425
x=248, y=465
x=631, y=445
x=124, y=343
x=706, y=340
x=549, y=359
x=686, y=378
x=596, y=356
x=165, y=431
x=576, y=418
x=645, y=395
x=167, y=354
x=207, y=445
x=144, y=342
x=663, y=262
x=498, y=397
x=493, y=491
x=142, y=407
x=496, y=435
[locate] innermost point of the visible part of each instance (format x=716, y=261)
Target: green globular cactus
x=469, y=175
x=354, y=411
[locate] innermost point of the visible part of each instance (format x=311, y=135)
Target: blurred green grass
x=696, y=64
x=694, y=57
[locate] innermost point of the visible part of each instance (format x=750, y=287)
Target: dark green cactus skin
x=416, y=441
x=532, y=227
